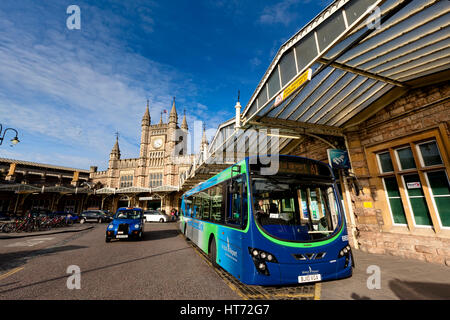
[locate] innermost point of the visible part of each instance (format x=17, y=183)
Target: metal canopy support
x=357, y=71
x=296, y=127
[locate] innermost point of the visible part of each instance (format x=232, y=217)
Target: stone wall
x=415, y=112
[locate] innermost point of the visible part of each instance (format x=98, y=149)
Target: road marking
x=317, y=291
x=6, y=275
x=29, y=242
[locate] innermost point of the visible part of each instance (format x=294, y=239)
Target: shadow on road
x=160, y=234
x=407, y=290
x=16, y=259
x=95, y=269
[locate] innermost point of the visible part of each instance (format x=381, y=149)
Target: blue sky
x=68, y=91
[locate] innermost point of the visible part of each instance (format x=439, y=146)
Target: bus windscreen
x=289, y=207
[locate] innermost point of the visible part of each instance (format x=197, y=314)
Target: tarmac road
x=163, y=266
x=166, y=267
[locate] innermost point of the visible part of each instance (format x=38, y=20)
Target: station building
x=369, y=78
x=151, y=180
x=26, y=185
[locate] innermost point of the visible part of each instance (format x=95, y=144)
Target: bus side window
x=217, y=214
x=206, y=204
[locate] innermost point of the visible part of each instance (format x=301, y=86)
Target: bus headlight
x=346, y=252
x=260, y=259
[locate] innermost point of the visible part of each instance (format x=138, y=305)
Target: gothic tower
x=143, y=154
x=114, y=158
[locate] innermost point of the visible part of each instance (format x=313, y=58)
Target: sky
x=67, y=91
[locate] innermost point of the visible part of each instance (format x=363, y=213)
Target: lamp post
x=14, y=140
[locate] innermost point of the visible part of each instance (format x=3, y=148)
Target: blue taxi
x=128, y=223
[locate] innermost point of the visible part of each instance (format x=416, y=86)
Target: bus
x=285, y=228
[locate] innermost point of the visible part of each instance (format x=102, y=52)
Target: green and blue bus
x=284, y=228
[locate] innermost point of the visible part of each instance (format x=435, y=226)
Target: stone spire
x=160, y=119
x=115, y=152
x=146, y=119
x=173, y=116
x=184, y=125
x=204, y=142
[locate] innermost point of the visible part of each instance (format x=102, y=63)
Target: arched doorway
x=124, y=201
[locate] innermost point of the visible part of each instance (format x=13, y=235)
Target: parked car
x=93, y=216
x=128, y=223
x=156, y=216
x=41, y=213
x=4, y=216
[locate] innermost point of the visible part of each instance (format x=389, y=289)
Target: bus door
x=236, y=218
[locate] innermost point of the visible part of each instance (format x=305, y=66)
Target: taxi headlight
x=136, y=226
x=110, y=226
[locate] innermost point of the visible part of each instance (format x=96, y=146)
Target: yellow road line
x=6, y=275
x=317, y=291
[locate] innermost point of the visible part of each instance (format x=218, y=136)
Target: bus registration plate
x=309, y=278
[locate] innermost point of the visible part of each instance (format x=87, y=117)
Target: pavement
x=386, y=277
x=73, y=228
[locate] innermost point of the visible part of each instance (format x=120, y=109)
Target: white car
x=155, y=216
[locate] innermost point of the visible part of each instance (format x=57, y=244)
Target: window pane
x=430, y=153
x=406, y=158
x=274, y=83
x=385, y=162
x=443, y=207
x=440, y=189
x=395, y=202
x=417, y=200
x=287, y=67
x=439, y=183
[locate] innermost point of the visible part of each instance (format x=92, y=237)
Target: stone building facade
x=401, y=157
x=27, y=186
x=151, y=180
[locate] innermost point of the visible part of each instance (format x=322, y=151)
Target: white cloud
x=74, y=90
x=279, y=13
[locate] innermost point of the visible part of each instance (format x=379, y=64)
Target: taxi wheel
x=107, y=239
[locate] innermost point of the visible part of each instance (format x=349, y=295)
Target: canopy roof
x=357, y=65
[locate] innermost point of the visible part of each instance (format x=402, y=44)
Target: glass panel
x=330, y=29
x=406, y=158
x=395, y=202
x=443, y=207
x=216, y=204
x=439, y=183
x=262, y=97
x=291, y=209
x=417, y=200
x=354, y=9
x=440, y=189
x=306, y=50
x=287, y=67
x=385, y=162
x=274, y=83
x=430, y=153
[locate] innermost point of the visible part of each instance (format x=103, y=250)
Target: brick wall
x=417, y=111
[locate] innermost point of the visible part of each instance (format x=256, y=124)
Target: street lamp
x=14, y=140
